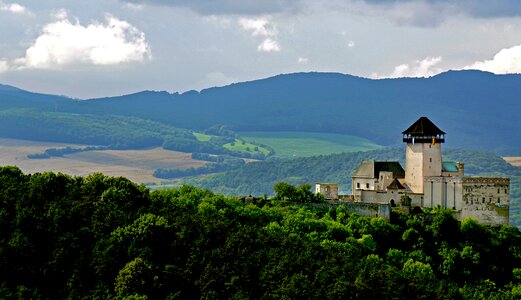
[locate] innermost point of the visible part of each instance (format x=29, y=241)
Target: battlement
x=487, y=180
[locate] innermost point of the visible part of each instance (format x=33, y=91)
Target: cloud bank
x=231, y=7
x=419, y=68
x=64, y=43
x=417, y=13
x=506, y=61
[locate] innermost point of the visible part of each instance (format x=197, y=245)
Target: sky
x=97, y=48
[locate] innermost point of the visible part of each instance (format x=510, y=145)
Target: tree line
x=104, y=237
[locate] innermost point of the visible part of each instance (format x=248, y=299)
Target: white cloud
x=67, y=43
x=303, y=60
x=419, y=68
x=507, y=60
x=269, y=45
x=4, y=66
x=350, y=44
x=264, y=28
x=258, y=26
x=14, y=8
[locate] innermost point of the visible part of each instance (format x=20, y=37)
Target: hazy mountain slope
x=478, y=110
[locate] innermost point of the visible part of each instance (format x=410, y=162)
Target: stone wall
x=329, y=190
x=367, y=209
x=486, y=199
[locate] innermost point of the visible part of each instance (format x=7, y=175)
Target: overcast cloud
x=112, y=47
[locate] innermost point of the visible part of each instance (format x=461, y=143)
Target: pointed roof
x=395, y=185
x=372, y=169
x=423, y=127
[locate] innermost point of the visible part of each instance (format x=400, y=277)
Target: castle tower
x=423, y=153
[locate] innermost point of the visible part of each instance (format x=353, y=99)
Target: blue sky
x=100, y=48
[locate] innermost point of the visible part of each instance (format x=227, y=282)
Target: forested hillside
x=101, y=237
x=258, y=178
x=120, y=132
x=478, y=110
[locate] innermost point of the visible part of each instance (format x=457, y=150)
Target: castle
x=427, y=181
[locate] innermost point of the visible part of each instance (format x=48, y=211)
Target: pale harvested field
x=136, y=165
x=513, y=160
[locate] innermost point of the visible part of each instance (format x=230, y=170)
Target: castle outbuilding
x=428, y=181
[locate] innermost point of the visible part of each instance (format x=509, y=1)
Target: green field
x=302, y=144
x=201, y=137
x=242, y=146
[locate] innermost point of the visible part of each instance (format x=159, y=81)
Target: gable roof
x=372, y=169
x=395, y=185
x=423, y=127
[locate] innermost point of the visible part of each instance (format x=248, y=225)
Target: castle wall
x=329, y=190
x=369, y=209
x=447, y=192
x=359, y=184
x=384, y=179
x=486, y=199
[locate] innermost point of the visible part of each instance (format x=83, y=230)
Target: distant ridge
x=477, y=109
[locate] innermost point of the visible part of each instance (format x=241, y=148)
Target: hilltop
x=478, y=110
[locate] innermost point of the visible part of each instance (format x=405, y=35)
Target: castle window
x=506, y=191
x=367, y=185
x=498, y=191
x=498, y=200
x=358, y=185
x=483, y=201
x=430, y=159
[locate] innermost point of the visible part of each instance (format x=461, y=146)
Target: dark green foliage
x=60, y=152
x=67, y=237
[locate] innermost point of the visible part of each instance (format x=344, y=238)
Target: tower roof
x=423, y=127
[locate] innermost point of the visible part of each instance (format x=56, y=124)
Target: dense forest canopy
x=102, y=237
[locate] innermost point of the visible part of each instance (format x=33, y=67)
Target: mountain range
x=478, y=110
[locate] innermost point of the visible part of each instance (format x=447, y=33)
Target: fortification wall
x=486, y=200
x=382, y=210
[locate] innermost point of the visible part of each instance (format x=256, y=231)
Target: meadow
x=137, y=165
x=303, y=144
x=513, y=160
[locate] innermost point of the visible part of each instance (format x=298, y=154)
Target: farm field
x=136, y=165
x=302, y=144
x=513, y=160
